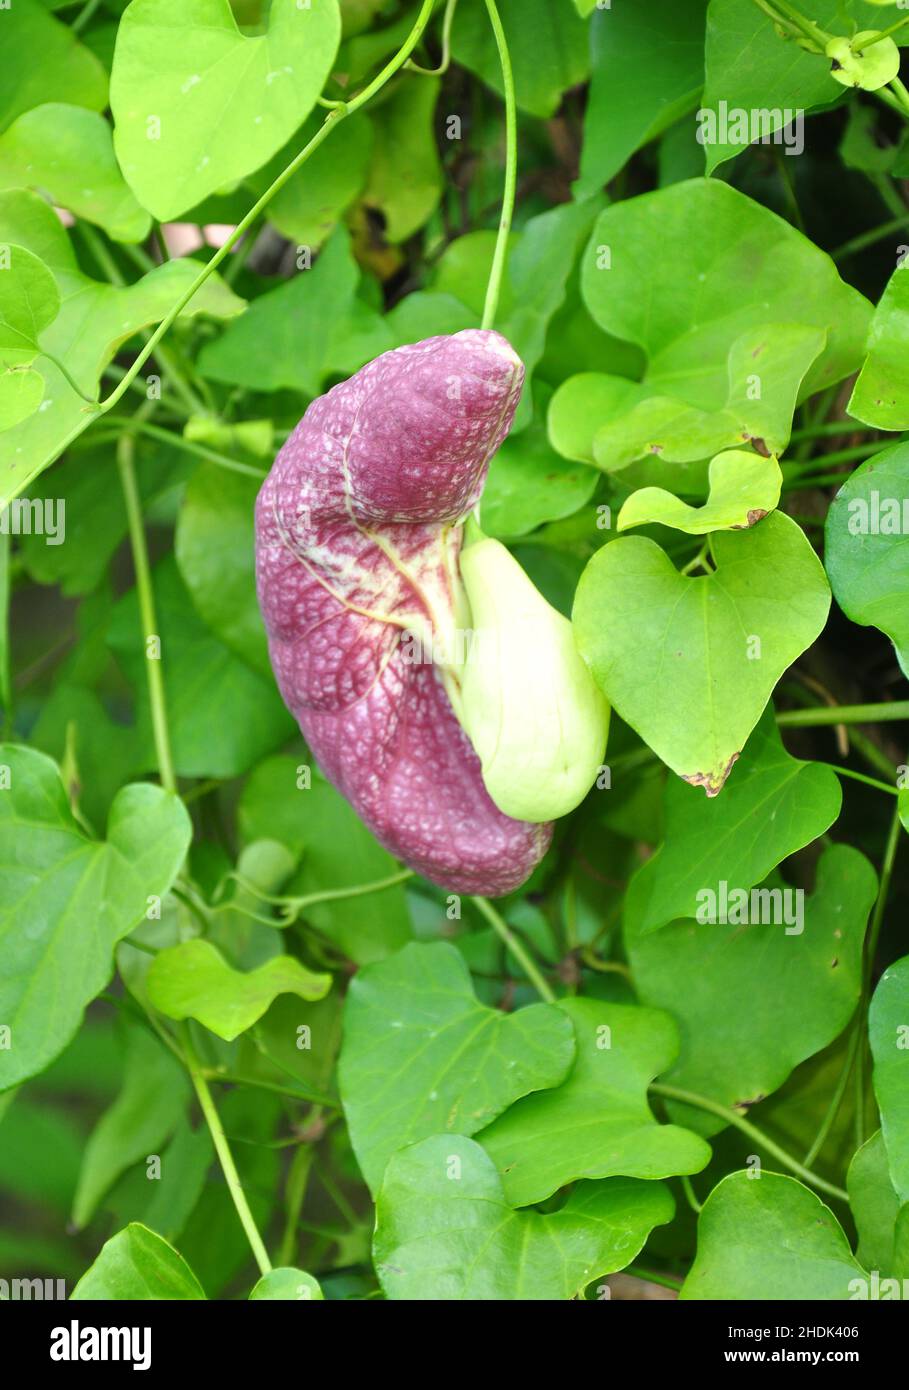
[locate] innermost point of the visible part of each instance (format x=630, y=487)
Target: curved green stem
x=836, y=1099
x=887, y=712
x=132, y=424
x=333, y=118
x=126, y=449
x=517, y=949
x=225, y=1157
x=493, y=289
x=445, y=62
x=70, y=380
x=860, y=777
x=732, y=1117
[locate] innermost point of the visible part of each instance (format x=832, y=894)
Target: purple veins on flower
x=358, y=533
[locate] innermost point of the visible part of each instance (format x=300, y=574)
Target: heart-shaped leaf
x=198, y=105
x=193, y=980
x=445, y=1232
x=866, y=548
x=446, y=1063
x=69, y=153
x=744, y=487
x=690, y=663
x=769, y=1237
x=137, y=1265
x=597, y=1123
x=67, y=900
x=888, y=1029
x=764, y=368
x=695, y=272
x=728, y=983
x=773, y=806
x=881, y=394
x=94, y=320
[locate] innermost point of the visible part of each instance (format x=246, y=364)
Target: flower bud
x=529, y=705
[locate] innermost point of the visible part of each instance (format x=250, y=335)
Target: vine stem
x=732, y=1117
x=333, y=119
x=887, y=712
x=517, y=949
x=225, y=1157
x=126, y=449
x=511, y=170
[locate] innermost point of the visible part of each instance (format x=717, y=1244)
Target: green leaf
x=882, y=1224
x=67, y=900
x=405, y=175
x=690, y=663
x=529, y=300
x=29, y=301
x=866, y=547
x=888, y=1030
x=21, y=393
x=548, y=45
x=309, y=206
x=647, y=70
x=93, y=322
x=287, y=1284
x=720, y=272
x=193, y=980
x=138, y=1265
x=310, y=327
x=174, y=1194
x=446, y=1063
x=529, y=483
x=340, y=853
x=744, y=487
x=144, y=1115
x=83, y=492
x=44, y=61
x=444, y=1231
x=758, y=405
x=198, y=105
x=728, y=985
x=215, y=550
x=223, y=716
x=68, y=152
x=773, y=806
x=755, y=72
x=769, y=1237
x=597, y=1123
x=881, y=394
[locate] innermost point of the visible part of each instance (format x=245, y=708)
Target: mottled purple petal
x=357, y=543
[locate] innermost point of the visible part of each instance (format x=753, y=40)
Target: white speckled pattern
x=357, y=537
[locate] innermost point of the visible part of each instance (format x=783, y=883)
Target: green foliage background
x=243, y=1052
